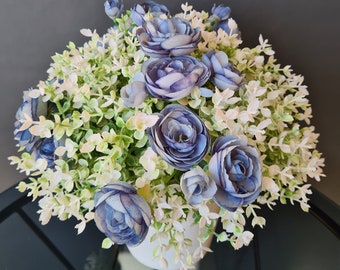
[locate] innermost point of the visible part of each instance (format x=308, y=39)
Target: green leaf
x=138, y=134
x=120, y=122
x=66, y=106
x=93, y=103
x=238, y=229
x=71, y=46
x=189, y=260
x=97, y=167
x=77, y=123
x=287, y=118
x=157, y=226
x=156, y=251
x=116, y=152
x=107, y=243
x=58, y=132
x=83, y=162
x=102, y=147
x=141, y=143
x=222, y=237
x=123, y=141
x=109, y=114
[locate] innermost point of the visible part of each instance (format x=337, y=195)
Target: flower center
x=181, y=138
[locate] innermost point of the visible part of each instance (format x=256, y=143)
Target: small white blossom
x=141, y=121
x=149, y=160
x=270, y=185
x=244, y=239
x=91, y=143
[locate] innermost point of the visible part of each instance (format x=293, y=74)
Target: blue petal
x=207, y=93
x=186, y=83
x=216, y=65
x=222, y=83
x=222, y=58
x=176, y=41
x=223, y=142
x=227, y=201
x=252, y=197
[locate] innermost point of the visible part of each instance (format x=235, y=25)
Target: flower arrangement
x=160, y=118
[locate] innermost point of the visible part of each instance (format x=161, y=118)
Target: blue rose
x=44, y=149
x=139, y=11
x=168, y=37
x=179, y=137
x=39, y=148
x=174, y=78
x=197, y=186
x=33, y=108
x=121, y=214
x=223, y=75
x=235, y=168
x=113, y=8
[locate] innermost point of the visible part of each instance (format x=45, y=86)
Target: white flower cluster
x=87, y=78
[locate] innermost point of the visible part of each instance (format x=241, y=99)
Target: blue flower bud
x=135, y=93
x=223, y=75
x=113, y=8
x=221, y=12
x=197, y=186
x=139, y=11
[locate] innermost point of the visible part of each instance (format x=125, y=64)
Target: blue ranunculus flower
x=32, y=108
x=121, y=214
x=168, y=37
x=113, y=8
x=44, y=149
x=139, y=11
x=236, y=169
x=179, y=137
x=174, y=78
x=223, y=75
x=197, y=186
x=220, y=12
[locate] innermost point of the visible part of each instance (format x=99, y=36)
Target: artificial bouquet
x=160, y=118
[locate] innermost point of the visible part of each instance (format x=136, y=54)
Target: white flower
x=259, y=130
x=91, y=143
x=270, y=185
x=244, y=239
x=42, y=128
x=149, y=160
x=250, y=112
x=222, y=99
x=141, y=121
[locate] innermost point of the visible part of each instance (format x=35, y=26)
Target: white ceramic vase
x=144, y=252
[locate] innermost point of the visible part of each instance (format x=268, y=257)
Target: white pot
x=144, y=252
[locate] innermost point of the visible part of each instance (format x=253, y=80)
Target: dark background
x=304, y=34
